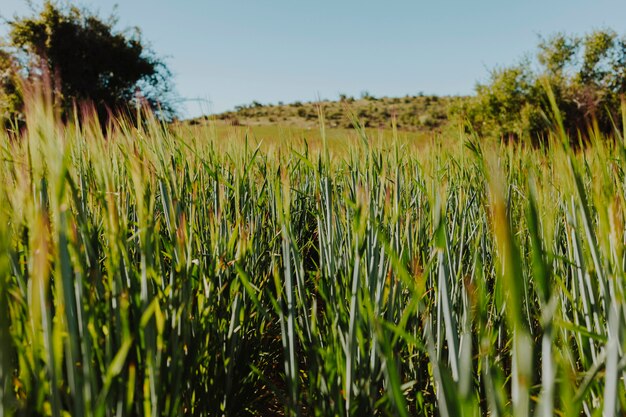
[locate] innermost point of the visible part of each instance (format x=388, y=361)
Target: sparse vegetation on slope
x=416, y=113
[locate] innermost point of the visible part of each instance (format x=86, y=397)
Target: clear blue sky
x=232, y=52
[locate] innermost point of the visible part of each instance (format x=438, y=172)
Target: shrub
x=586, y=75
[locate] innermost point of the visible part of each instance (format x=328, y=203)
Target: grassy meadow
x=226, y=271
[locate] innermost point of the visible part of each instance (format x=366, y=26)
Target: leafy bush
x=586, y=75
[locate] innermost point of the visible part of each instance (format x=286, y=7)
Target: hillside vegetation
x=583, y=78
x=412, y=113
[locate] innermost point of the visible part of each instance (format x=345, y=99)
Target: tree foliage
x=587, y=75
x=10, y=88
x=86, y=61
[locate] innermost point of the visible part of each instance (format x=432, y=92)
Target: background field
x=341, y=140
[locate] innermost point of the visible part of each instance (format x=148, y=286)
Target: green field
x=217, y=270
x=274, y=138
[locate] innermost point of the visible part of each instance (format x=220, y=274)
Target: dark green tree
x=88, y=61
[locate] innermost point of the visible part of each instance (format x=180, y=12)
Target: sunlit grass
x=224, y=271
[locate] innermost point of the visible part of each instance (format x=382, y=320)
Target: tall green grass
x=149, y=271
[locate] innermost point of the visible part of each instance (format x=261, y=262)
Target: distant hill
x=413, y=113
